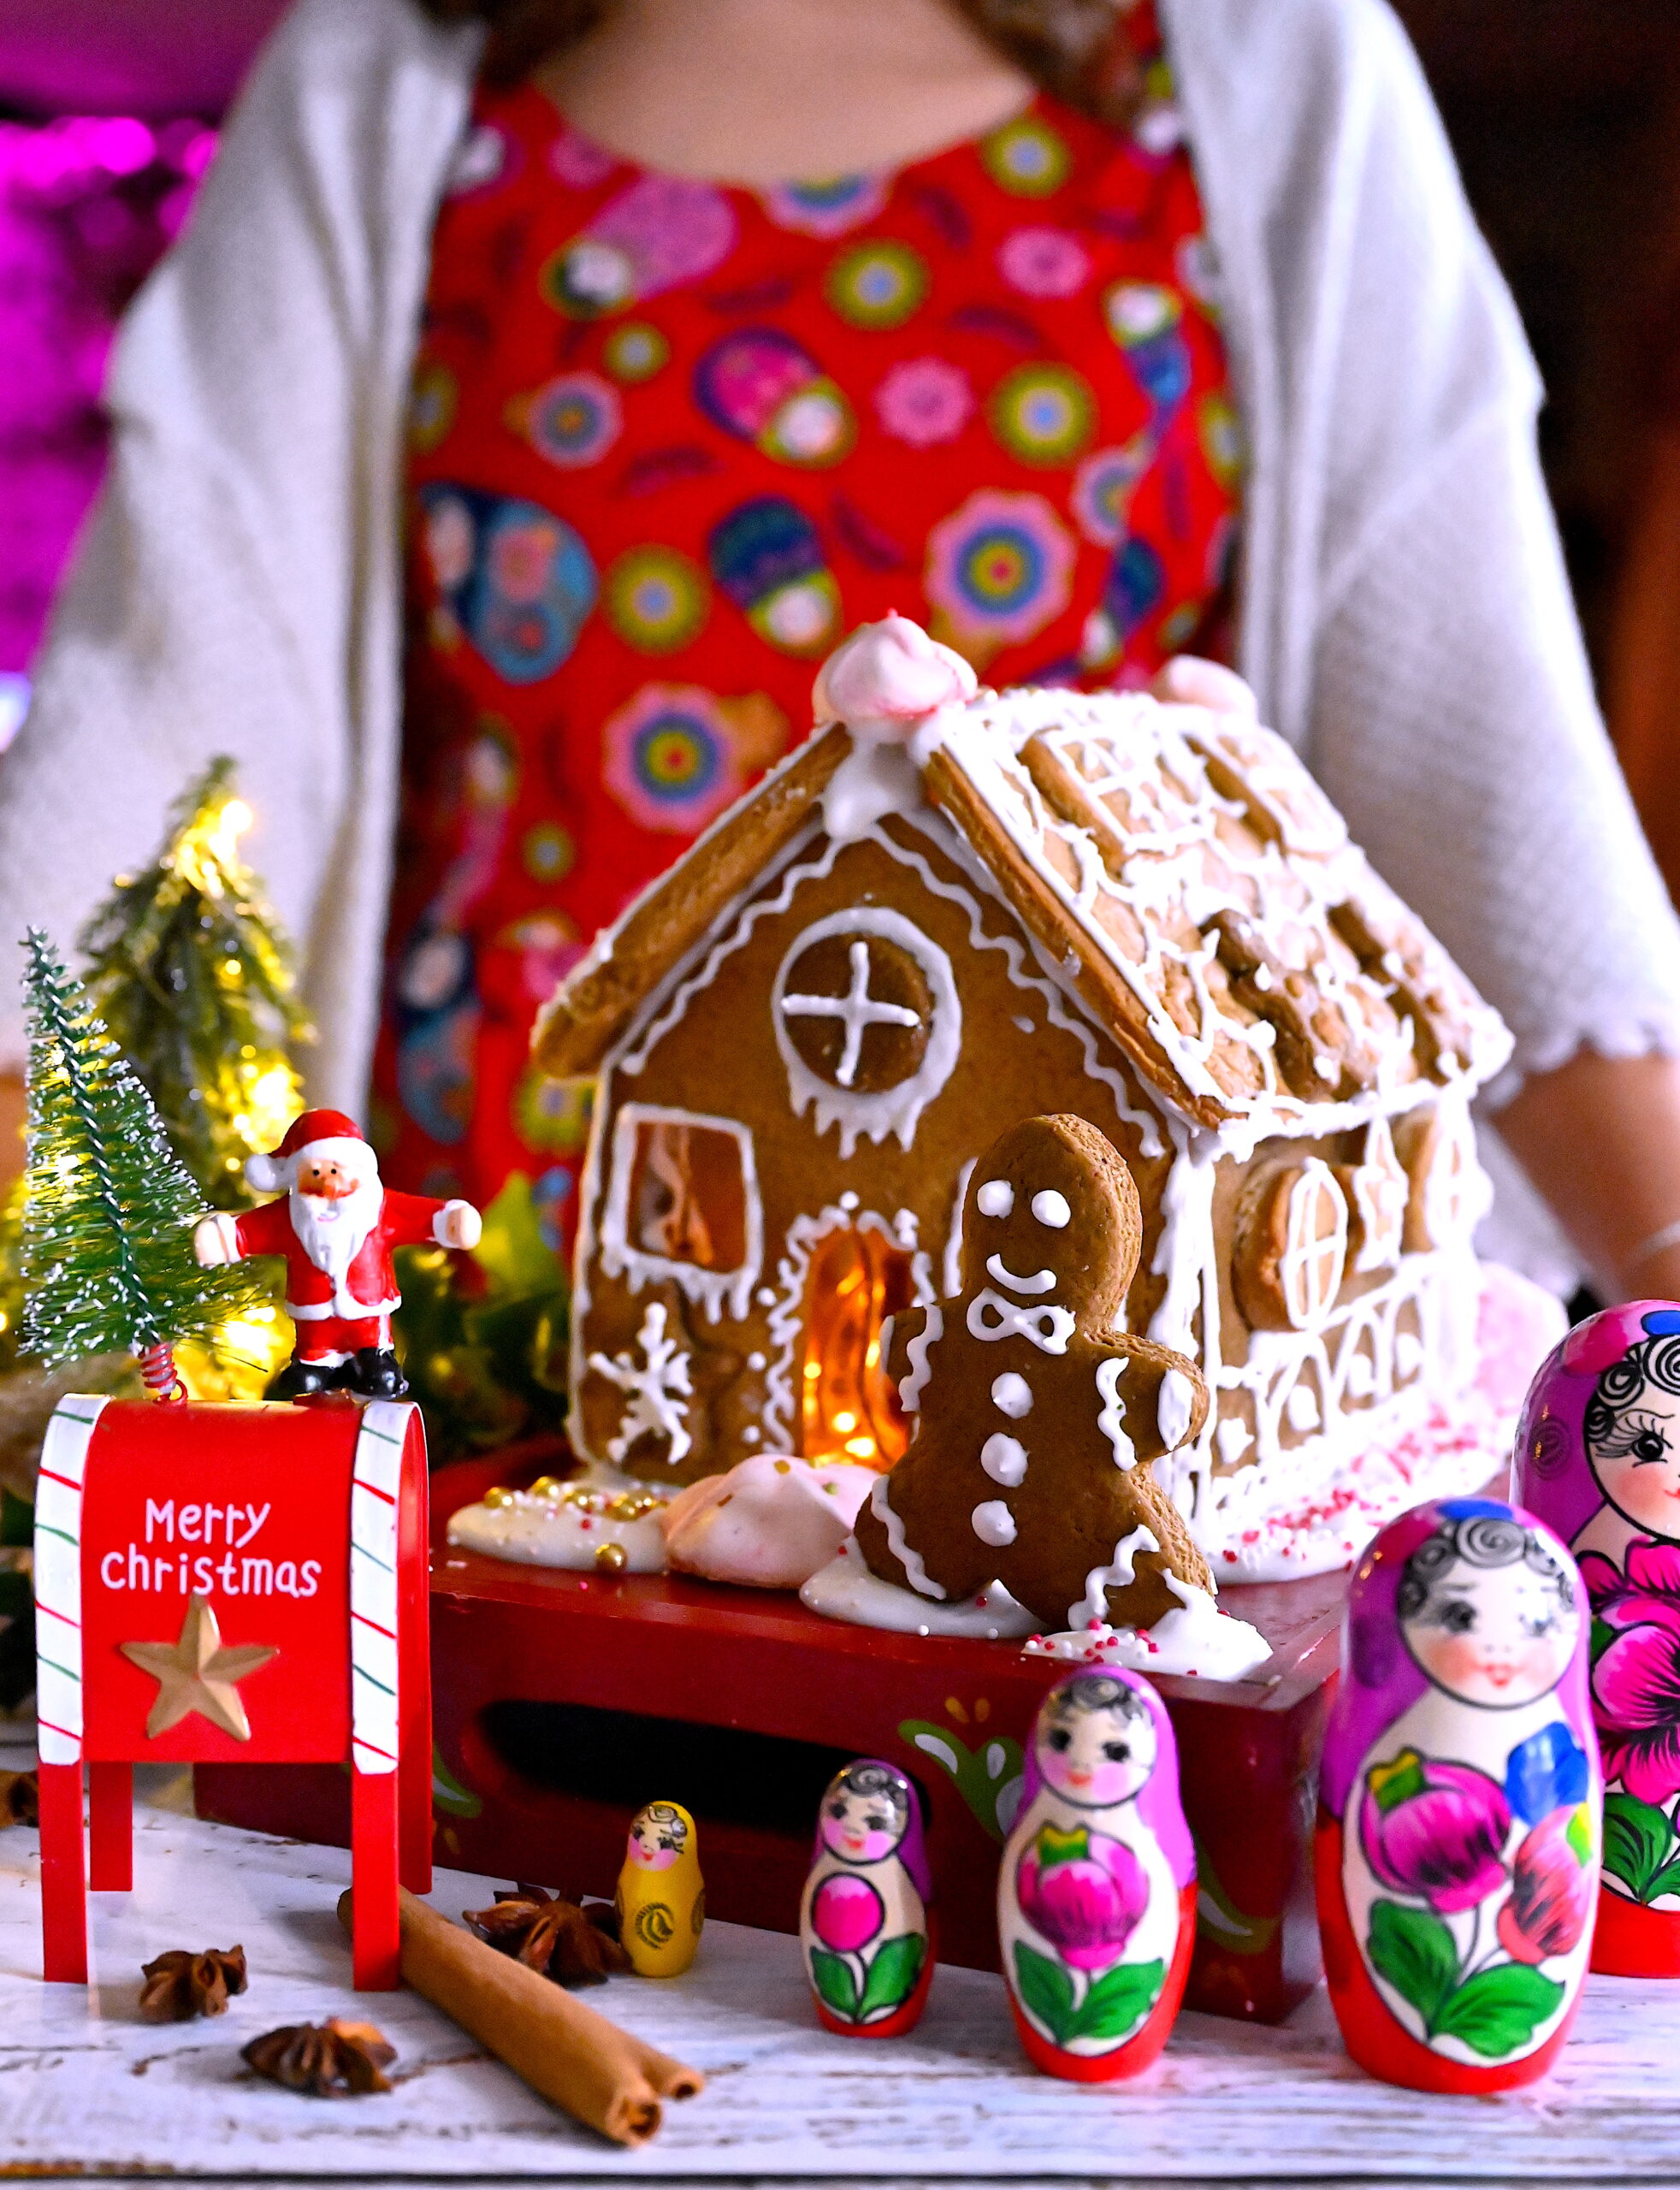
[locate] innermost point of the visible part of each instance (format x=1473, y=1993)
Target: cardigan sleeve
x=1454, y=723
x=235, y=589
x=1407, y=620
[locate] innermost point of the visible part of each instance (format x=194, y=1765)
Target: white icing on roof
x=1194, y=856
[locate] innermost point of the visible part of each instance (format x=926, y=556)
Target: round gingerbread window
x=858, y=1010
x=867, y=1022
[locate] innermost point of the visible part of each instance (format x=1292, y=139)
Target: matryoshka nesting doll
x=1598, y=1457
x=662, y=1900
x=864, y=1921
x=1460, y=1803
x=1097, y=1895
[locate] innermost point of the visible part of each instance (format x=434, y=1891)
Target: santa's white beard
x=332, y=1233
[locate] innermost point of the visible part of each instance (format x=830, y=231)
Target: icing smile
x=1042, y=1280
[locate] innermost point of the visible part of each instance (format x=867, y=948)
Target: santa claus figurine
x=336, y=1227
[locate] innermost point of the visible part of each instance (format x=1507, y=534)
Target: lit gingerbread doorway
x=848, y=1406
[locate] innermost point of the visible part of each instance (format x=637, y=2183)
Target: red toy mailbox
x=232, y=1584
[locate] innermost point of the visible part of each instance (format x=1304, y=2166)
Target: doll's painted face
x=1096, y=1743
x=657, y=1838
x=1633, y=1436
x=864, y=1816
x=1494, y=1636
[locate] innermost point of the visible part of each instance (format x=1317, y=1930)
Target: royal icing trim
x=918, y=1354
x=880, y=1505
x=1118, y=1574
x=1047, y=1328
x=1108, y=1420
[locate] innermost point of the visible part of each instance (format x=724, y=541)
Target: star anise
x=329, y=2060
x=180, y=1985
x=558, y=1938
x=20, y=1798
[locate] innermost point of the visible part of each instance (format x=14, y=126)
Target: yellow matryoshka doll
x=661, y=1896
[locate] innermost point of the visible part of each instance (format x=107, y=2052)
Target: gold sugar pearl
x=546, y=1486
x=611, y=1557
x=632, y=1506
x=499, y=1496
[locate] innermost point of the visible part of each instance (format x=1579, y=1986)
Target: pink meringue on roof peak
x=890, y=672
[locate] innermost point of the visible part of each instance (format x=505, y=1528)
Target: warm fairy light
x=245, y=1352
x=272, y=1100
x=849, y=1408
x=209, y=851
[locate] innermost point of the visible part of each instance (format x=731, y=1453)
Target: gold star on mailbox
x=195, y=1673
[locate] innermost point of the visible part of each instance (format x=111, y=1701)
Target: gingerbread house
x=910, y=936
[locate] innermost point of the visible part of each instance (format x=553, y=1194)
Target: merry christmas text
x=232, y=1527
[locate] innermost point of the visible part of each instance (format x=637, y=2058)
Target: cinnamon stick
x=602, y=2077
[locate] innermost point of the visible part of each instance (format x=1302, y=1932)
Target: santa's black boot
x=300, y=1379
x=374, y=1373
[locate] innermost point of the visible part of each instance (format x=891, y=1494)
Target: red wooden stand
x=265, y=1569
x=545, y=1684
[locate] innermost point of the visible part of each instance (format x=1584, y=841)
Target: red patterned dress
x=670, y=440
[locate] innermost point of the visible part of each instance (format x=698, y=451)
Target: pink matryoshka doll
x=1598, y=1457
x=1097, y=1893
x=1460, y=1803
x=865, y=1918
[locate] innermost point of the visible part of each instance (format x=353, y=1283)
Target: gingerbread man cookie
x=1035, y=1421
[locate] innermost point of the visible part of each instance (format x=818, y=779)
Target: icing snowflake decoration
x=657, y=1388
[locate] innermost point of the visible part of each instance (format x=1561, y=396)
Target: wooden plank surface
x=84, y=2084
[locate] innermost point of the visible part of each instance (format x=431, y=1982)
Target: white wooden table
x=85, y=2085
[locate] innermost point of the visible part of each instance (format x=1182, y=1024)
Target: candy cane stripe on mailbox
x=375, y=1483
x=58, y=1652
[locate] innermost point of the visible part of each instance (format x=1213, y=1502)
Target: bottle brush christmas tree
x=106, y=1248
x=192, y=974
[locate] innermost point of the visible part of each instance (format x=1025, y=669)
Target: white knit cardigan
x=1405, y=619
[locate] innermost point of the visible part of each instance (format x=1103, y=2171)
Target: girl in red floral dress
x=671, y=437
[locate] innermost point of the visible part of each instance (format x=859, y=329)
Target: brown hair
x=1076, y=50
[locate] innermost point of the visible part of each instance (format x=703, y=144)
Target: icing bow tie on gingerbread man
x=336, y=1226
x=1035, y=1420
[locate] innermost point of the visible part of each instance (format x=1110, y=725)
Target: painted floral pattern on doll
x=668, y=440
x=1471, y=1869
x=863, y=1920
x=1096, y=1896
x=1617, y=1459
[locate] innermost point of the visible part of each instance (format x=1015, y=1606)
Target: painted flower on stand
x=1636, y=1674
x=1436, y=1830
x=846, y=1913
x=1084, y=1892
x=1553, y=1881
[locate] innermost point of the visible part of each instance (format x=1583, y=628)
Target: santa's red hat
x=316, y=1133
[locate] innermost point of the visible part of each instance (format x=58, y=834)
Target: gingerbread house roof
x=1184, y=875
